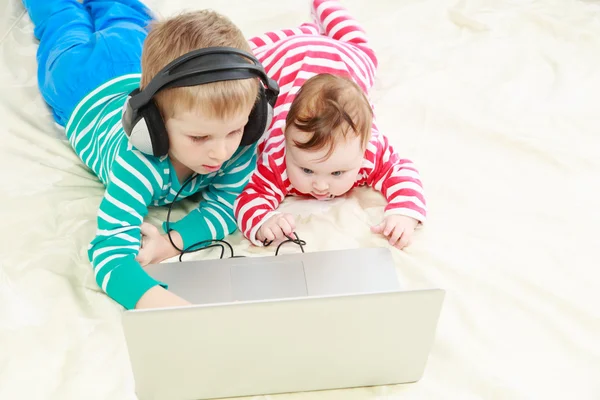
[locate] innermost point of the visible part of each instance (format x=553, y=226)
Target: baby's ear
x=367, y=138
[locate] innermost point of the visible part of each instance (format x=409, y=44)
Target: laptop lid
x=278, y=346
x=322, y=273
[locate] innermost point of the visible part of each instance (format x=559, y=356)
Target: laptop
x=280, y=324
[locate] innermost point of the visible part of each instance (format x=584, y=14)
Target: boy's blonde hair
x=330, y=107
x=176, y=36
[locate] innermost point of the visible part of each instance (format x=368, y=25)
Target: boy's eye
x=198, y=138
x=337, y=173
x=307, y=171
x=236, y=132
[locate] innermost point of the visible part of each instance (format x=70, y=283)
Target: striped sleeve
x=130, y=189
x=214, y=218
x=397, y=179
x=260, y=198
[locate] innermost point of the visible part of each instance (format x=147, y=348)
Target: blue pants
x=84, y=45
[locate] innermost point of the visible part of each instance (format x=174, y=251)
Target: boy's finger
x=146, y=229
x=141, y=258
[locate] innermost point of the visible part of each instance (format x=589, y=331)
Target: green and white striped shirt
x=135, y=181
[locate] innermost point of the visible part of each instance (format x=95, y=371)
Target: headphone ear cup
x=259, y=120
x=157, y=131
x=139, y=135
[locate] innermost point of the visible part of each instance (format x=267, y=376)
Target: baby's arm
x=214, y=217
x=117, y=241
x=397, y=179
x=259, y=200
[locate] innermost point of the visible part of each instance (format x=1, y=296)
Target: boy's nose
x=218, y=152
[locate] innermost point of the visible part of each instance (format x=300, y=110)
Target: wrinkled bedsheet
x=497, y=102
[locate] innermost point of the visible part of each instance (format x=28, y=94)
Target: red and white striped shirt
x=334, y=44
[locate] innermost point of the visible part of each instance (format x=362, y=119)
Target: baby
x=323, y=141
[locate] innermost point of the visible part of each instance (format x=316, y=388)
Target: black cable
x=297, y=241
x=187, y=182
x=187, y=250
x=217, y=242
x=190, y=249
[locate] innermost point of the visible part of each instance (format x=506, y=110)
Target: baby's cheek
x=344, y=186
x=297, y=180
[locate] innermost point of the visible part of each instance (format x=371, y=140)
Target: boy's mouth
x=212, y=168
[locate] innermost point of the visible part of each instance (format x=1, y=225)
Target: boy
x=323, y=141
x=89, y=63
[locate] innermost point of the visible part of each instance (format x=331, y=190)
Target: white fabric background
x=495, y=100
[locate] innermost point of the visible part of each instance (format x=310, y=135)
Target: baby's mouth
x=326, y=196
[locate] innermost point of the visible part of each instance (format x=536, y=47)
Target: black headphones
x=141, y=118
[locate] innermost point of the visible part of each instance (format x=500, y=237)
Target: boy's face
x=321, y=178
x=203, y=144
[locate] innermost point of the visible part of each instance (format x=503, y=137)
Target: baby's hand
x=399, y=229
x=276, y=228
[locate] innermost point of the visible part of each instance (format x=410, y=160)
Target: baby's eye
x=198, y=138
x=307, y=171
x=236, y=132
x=337, y=173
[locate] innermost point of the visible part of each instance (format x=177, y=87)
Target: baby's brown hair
x=173, y=37
x=330, y=107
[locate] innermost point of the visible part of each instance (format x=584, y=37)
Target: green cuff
x=128, y=283
x=192, y=230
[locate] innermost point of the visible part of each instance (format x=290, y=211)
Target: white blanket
x=496, y=101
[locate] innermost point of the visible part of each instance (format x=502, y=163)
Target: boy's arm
x=397, y=179
x=214, y=217
x=117, y=242
x=261, y=197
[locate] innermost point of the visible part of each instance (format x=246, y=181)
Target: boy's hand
x=159, y=297
x=398, y=228
x=276, y=228
x=156, y=247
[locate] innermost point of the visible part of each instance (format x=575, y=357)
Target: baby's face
x=321, y=178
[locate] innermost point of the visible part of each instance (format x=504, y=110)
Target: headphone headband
x=212, y=66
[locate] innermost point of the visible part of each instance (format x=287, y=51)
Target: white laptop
x=287, y=323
